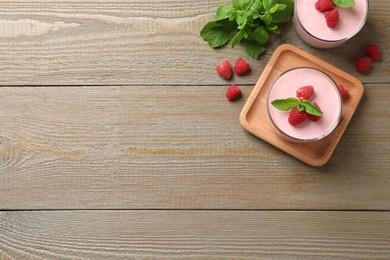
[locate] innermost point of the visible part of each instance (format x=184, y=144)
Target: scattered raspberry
x=373, y=52
x=241, y=67
x=343, y=91
x=324, y=5
x=362, y=64
x=305, y=92
x=332, y=18
x=233, y=93
x=224, y=69
x=313, y=117
x=296, y=117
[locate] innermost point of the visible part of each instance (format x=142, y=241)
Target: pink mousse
x=311, y=25
x=326, y=95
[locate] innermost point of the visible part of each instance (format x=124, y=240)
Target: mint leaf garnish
x=218, y=32
x=300, y=107
x=285, y=104
x=289, y=103
x=311, y=109
x=344, y=3
x=250, y=22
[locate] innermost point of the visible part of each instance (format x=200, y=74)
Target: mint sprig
x=302, y=105
x=249, y=22
x=344, y=3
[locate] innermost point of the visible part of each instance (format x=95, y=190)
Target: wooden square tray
x=254, y=117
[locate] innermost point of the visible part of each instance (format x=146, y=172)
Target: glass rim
x=337, y=40
x=329, y=130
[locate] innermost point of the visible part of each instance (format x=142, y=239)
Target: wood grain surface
x=195, y=235
x=117, y=142
x=175, y=147
x=52, y=42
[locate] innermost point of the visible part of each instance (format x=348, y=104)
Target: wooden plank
x=67, y=42
x=175, y=147
x=195, y=235
x=4, y=256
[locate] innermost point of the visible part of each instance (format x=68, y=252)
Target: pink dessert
x=312, y=28
x=326, y=95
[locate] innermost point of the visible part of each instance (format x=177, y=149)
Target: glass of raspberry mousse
x=324, y=94
x=312, y=27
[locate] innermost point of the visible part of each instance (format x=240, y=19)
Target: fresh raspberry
x=332, y=18
x=313, y=117
x=224, y=69
x=362, y=64
x=324, y=5
x=241, y=67
x=343, y=91
x=296, y=117
x=233, y=93
x=373, y=52
x=305, y=92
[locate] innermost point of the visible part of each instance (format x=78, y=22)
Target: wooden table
x=117, y=142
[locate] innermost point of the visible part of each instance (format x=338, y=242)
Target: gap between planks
x=189, y=210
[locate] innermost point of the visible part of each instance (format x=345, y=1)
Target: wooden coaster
x=254, y=117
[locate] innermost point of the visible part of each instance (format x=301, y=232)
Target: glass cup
x=311, y=26
x=326, y=95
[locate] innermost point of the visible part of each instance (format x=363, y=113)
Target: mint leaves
x=285, y=104
x=302, y=105
x=344, y=3
x=249, y=22
x=219, y=32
